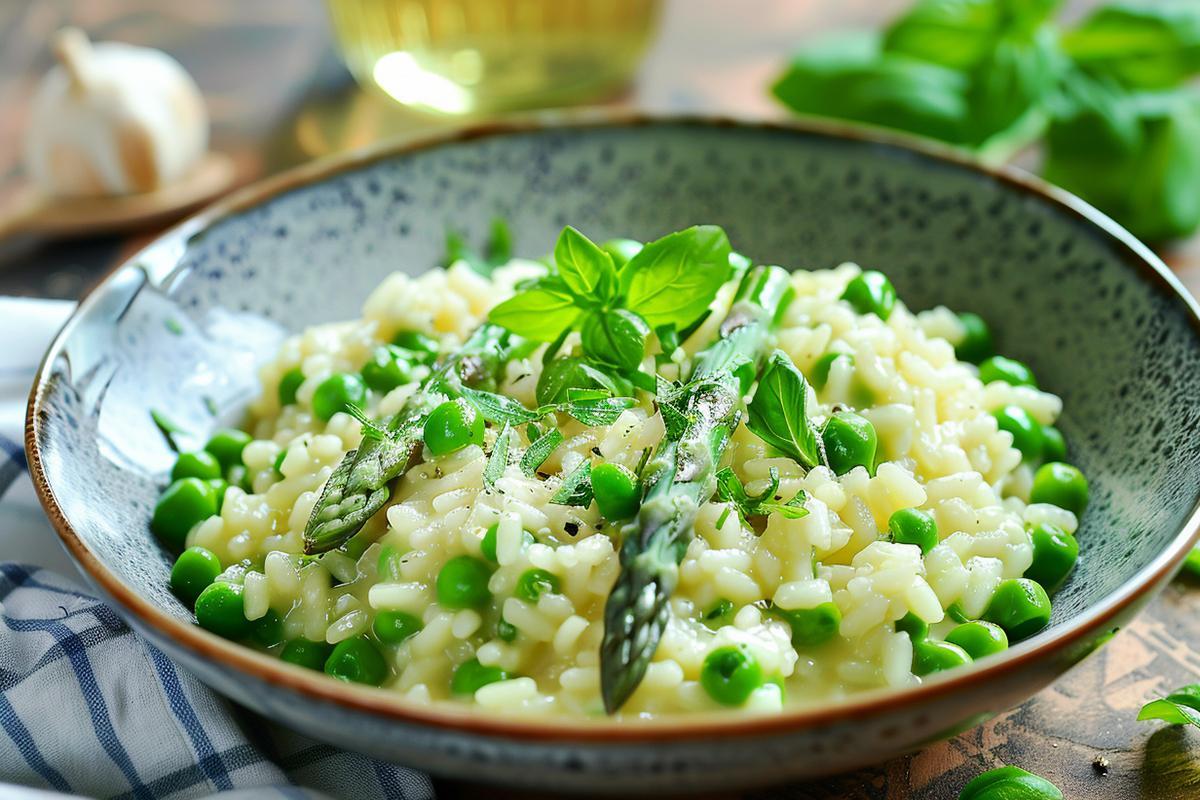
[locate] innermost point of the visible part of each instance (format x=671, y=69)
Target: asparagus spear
x=358, y=486
x=681, y=475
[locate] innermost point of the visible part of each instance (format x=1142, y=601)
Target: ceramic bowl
x=183, y=324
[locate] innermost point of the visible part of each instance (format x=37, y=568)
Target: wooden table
x=278, y=96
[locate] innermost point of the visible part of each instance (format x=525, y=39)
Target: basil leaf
x=777, y=412
x=952, y=33
x=615, y=337
x=596, y=412
x=498, y=461
x=849, y=78
x=1009, y=783
x=587, y=270
x=674, y=421
x=539, y=313
x=498, y=408
x=1137, y=156
x=673, y=279
x=539, y=450
x=1180, y=707
x=1010, y=83
x=1142, y=45
x=576, y=489
x=572, y=372
x=960, y=34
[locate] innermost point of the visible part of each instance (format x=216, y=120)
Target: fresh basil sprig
x=731, y=490
x=1180, y=707
x=669, y=281
x=778, y=415
x=1110, y=96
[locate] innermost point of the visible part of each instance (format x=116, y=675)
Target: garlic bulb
x=113, y=119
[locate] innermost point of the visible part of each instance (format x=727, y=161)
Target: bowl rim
x=682, y=727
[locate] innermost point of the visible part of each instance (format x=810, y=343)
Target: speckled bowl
x=181, y=326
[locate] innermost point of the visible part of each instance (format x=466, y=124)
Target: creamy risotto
x=816, y=493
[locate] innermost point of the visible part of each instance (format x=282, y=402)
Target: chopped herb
x=539, y=450
x=498, y=460
x=731, y=490
x=173, y=326
x=168, y=429
x=576, y=489
x=498, y=252
x=601, y=411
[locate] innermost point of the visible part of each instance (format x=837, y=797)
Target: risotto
x=635, y=480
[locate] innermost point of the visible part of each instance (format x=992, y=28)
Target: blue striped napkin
x=88, y=708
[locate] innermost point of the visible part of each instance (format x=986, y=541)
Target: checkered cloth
x=88, y=708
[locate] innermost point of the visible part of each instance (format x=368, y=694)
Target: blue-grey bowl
x=181, y=326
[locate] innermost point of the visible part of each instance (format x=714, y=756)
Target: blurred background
x=279, y=81
x=1099, y=96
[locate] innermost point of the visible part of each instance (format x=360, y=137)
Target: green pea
x=718, y=614
x=812, y=626
x=463, y=583
x=871, y=293
x=820, y=370
x=506, y=631
x=1054, y=555
x=533, y=583
x=388, y=367
x=227, y=445
x=931, y=656
x=850, y=442
x=976, y=344
x=471, y=676
x=1062, y=485
x=267, y=630
x=185, y=502
x=731, y=674
x=1008, y=370
x=337, y=393
x=356, y=660
x=1025, y=430
x=1054, y=446
x=616, y=491
x=221, y=608
x=914, y=526
x=916, y=628
x=622, y=250
x=979, y=638
x=425, y=348
x=1010, y=783
x=289, y=384
x=219, y=486
x=306, y=653
x=201, y=464
x=194, y=570
x=452, y=426
x=487, y=545
x=1020, y=606
x=394, y=627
